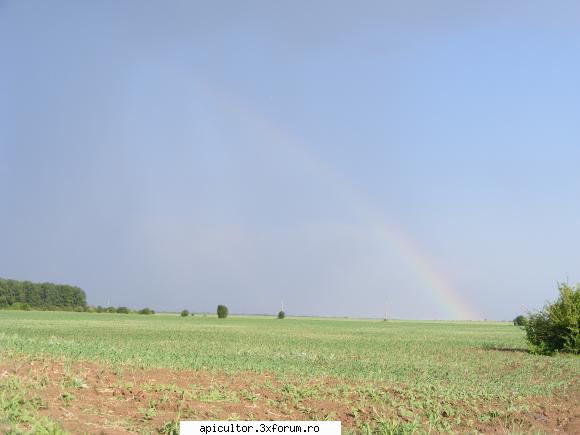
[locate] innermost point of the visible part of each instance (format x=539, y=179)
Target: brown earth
x=85, y=397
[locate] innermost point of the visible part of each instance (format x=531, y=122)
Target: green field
x=436, y=376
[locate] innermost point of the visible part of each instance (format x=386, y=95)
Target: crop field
x=115, y=373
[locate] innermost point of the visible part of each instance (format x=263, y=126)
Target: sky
x=417, y=159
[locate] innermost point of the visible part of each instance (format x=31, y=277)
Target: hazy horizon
x=343, y=159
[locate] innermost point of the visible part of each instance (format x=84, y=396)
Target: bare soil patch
x=86, y=397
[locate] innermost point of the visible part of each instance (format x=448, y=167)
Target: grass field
x=114, y=373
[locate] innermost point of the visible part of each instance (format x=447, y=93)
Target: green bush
x=145, y=311
x=222, y=311
x=281, y=315
x=557, y=327
x=123, y=310
x=520, y=320
x=184, y=313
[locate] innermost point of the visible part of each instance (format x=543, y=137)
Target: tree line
x=25, y=295
x=118, y=310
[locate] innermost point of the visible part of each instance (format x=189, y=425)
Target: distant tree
x=193, y=314
x=281, y=315
x=145, y=311
x=520, y=320
x=184, y=313
x=123, y=310
x=111, y=310
x=556, y=328
x=222, y=311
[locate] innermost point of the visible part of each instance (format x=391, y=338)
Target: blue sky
x=184, y=154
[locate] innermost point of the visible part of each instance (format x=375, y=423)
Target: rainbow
x=457, y=308
x=286, y=146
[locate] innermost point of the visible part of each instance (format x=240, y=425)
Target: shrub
x=222, y=311
x=146, y=311
x=281, y=315
x=520, y=320
x=184, y=313
x=557, y=327
x=123, y=310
